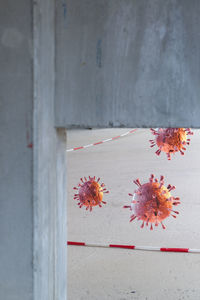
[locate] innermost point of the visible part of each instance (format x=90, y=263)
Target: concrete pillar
x=32, y=157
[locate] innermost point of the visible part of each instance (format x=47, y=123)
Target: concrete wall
x=32, y=157
x=118, y=63
x=50, y=228
x=128, y=63
x=16, y=187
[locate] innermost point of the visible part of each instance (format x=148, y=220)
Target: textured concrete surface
x=118, y=274
x=132, y=63
x=49, y=249
x=16, y=209
x=32, y=157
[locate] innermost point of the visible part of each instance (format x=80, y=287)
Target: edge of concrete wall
x=49, y=240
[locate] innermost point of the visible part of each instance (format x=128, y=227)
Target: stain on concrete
x=64, y=7
x=99, y=53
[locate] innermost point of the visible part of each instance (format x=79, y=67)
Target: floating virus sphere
x=171, y=140
x=90, y=193
x=152, y=202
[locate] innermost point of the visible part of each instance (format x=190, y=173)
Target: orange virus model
x=152, y=202
x=90, y=193
x=171, y=140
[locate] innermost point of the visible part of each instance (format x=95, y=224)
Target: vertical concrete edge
x=61, y=218
x=49, y=167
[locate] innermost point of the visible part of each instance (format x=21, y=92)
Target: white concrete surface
x=95, y=273
x=49, y=165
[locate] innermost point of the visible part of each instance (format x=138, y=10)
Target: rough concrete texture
x=32, y=157
x=128, y=63
x=16, y=193
x=96, y=273
x=49, y=250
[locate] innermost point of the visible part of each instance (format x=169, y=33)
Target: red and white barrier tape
x=133, y=247
x=101, y=142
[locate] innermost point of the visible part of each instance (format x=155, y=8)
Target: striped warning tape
x=133, y=247
x=102, y=142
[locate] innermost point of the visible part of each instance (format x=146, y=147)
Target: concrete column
x=49, y=165
x=32, y=157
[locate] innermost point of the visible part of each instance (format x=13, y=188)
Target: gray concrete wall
x=16, y=197
x=32, y=157
x=128, y=63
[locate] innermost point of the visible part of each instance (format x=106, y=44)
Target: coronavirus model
x=170, y=140
x=152, y=202
x=90, y=193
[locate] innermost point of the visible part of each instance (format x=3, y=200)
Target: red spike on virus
x=170, y=140
x=152, y=202
x=90, y=193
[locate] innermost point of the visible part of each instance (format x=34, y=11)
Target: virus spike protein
x=152, y=202
x=170, y=140
x=90, y=193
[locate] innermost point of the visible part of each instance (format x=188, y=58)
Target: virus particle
x=170, y=140
x=152, y=202
x=90, y=193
